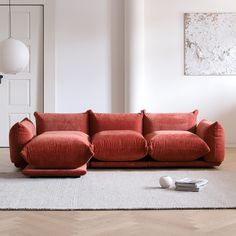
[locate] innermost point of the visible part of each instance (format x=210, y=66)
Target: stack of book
x=192, y=185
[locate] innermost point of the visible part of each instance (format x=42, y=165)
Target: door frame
x=49, y=81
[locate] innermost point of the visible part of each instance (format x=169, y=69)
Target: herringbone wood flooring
x=83, y=223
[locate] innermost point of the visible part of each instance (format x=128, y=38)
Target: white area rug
x=116, y=189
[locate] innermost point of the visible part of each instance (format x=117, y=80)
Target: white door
x=22, y=94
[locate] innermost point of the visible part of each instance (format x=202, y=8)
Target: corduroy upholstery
x=20, y=134
x=169, y=121
x=36, y=172
x=119, y=145
x=107, y=121
x=150, y=163
x=61, y=122
x=213, y=134
x=172, y=145
x=58, y=150
x=63, y=147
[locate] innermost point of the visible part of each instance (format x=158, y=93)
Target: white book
x=185, y=182
x=189, y=189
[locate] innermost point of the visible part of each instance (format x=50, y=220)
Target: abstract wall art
x=210, y=44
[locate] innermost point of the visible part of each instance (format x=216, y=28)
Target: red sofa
x=66, y=144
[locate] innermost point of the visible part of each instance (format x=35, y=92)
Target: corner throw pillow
x=213, y=135
x=20, y=134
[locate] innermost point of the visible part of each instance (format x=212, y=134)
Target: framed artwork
x=210, y=44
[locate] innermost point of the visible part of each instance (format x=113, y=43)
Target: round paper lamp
x=14, y=56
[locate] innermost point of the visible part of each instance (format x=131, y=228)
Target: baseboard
x=230, y=146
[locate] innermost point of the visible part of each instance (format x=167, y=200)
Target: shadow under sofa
x=67, y=144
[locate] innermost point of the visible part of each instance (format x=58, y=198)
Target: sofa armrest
x=20, y=134
x=213, y=135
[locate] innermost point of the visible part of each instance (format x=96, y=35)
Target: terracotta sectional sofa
x=66, y=144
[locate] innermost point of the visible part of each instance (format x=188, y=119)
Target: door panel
x=19, y=92
x=22, y=94
x=4, y=25
x=21, y=25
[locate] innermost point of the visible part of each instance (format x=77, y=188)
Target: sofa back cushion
x=169, y=121
x=107, y=121
x=61, y=122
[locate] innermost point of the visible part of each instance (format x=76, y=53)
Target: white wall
x=168, y=90
x=134, y=54
x=90, y=61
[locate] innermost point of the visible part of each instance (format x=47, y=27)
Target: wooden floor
x=83, y=223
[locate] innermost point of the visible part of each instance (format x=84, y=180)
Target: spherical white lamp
x=14, y=56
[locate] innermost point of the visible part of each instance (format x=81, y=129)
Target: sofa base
x=150, y=164
x=33, y=172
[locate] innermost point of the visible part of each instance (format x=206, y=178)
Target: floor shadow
x=152, y=188
x=159, y=188
x=11, y=175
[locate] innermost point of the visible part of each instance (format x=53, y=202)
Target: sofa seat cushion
x=176, y=145
x=58, y=149
x=119, y=145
